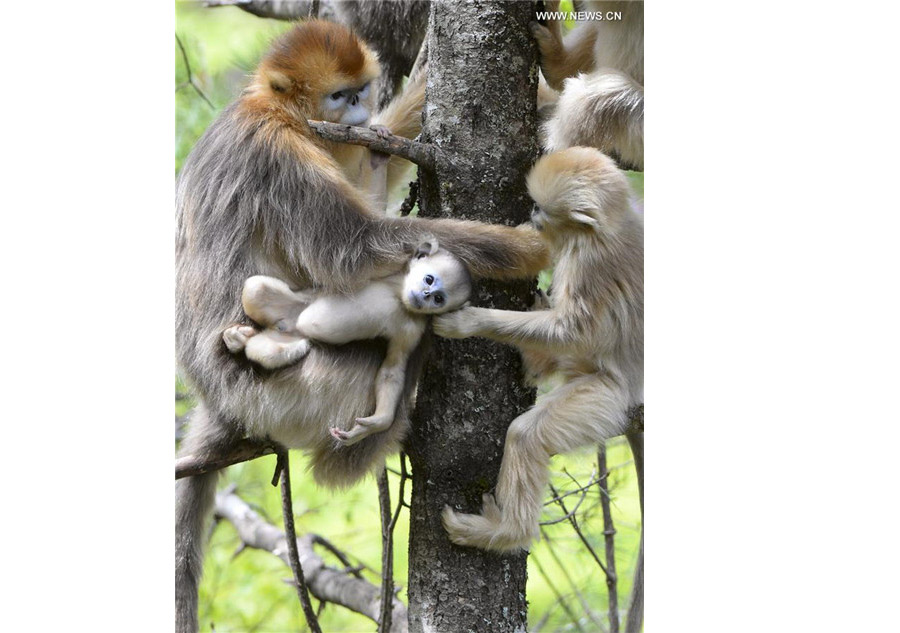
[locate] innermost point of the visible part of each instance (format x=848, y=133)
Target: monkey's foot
x=236, y=337
x=363, y=428
x=486, y=530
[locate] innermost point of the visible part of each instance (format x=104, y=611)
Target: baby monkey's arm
x=388, y=385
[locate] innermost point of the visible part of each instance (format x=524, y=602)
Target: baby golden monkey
x=395, y=308
x=591, y=335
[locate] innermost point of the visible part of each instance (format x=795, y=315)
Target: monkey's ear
x=584, y=218
x=426, y=248
x=278, y=81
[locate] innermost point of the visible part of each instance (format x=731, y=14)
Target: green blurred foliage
x=247, y=591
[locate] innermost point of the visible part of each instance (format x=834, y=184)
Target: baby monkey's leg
x=271, y=302
x=273, y=349
x=388, y=388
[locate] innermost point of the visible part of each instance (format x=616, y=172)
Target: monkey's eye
x=429, y=279
x=364, y=91
x=335, y=98
x=438, y=299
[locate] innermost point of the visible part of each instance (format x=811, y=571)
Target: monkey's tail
x=194, y=499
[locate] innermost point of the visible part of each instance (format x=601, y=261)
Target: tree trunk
x=480, y=110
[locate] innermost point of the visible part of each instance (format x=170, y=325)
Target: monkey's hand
x=363, y=428
x=236, y=337
x=461, y=323
x=541, y=301
x=380, y=130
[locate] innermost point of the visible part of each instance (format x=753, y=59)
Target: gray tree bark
x=480, y=112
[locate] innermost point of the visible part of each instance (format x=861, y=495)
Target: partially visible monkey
x=599, y=66
x=260, y=194
x=395, y=308
x=395, y=29
x=592, y=335
x=378, y=175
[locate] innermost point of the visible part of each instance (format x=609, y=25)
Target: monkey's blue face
x=349, y=106
x=435, y=283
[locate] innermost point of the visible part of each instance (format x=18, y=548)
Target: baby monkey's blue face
x=436, y=282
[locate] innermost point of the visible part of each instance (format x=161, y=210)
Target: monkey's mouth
x=414, y=301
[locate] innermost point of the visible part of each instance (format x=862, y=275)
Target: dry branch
x=279, y=9
x=325, y=583
x=421, y=154
x=283, y=471
x=635, y=618
x=609, y=535
x=240, y=451
x=190, y=75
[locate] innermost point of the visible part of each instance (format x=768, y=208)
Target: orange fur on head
x=314, y=59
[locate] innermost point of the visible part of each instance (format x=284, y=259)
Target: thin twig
x=190, y=79
x=388, y=522
x=574, y=521
x=585, y=604
x=609, y=532
x=283, y=468
x=566, y=517
x=349, y=567
x=559, y=597
x=422, y=154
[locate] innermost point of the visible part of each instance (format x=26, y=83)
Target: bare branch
x=636, y=610
x=574, y=521
x=325, y=583
x=584, y=491
x=388, y=522
x=287, y=510
x=280, y=9
x=190, y=80
x=609, y=532
x=422, y=154
x=240, y=451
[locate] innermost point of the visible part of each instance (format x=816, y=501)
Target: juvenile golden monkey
x=396, y=308
x=592, y=335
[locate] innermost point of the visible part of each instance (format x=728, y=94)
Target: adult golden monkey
x=599, y=66
x=260, y=194
x=592, y=335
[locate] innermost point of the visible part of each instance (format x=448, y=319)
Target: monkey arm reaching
x=542, y=330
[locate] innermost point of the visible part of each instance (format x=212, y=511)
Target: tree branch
x=283, y=469
x=190, y=80
x=609, y=533
x=240, y=451
x=279, y=9
x=636, y=610
x=422, y=154
x=325, y=583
